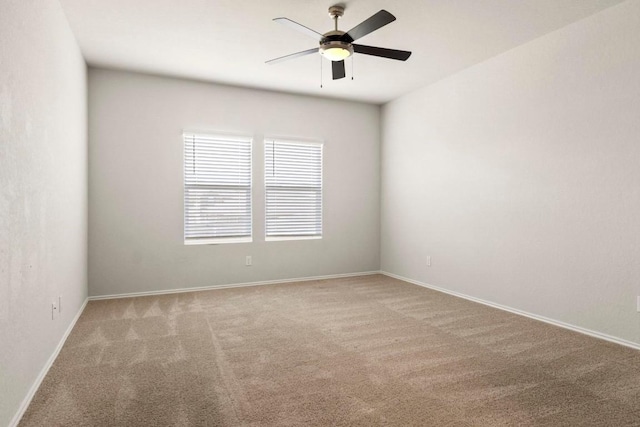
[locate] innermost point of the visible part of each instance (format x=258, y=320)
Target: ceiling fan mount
x=337, y=45
x=336, y=11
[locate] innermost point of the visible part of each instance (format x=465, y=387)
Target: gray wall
x=136, y=193
x=43, y=190
x=520, y=177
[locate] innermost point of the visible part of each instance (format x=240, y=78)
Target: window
x=217, y=189
x=293, y=180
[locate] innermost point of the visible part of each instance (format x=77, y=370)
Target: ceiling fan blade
x=292, y=56
x=369, y=25
x=299, y=27
x=400, y=55
x=337, y=67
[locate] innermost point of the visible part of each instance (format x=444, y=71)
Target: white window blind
x=217, y=189
x=293, y=180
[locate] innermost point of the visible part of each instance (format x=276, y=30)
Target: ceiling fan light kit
x=338, y=45
x=336, y=50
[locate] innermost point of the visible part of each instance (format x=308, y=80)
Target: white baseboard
x=231, y=285
x=43, y=373
x=554, y=322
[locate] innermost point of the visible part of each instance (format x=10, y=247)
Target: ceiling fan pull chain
x=320, y=72
x=352, y=59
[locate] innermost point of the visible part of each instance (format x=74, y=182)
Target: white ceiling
x=228, y=41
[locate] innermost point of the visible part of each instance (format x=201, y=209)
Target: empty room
x=288, y=213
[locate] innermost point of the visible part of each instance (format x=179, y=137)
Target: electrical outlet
x=429, y=261
x=54, y=309
x=248, y=261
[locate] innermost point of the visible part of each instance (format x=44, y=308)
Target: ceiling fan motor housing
x=333, y=47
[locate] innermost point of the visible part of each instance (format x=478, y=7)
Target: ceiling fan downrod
x=336, y=12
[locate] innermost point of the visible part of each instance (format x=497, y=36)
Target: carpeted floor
x=361, y=351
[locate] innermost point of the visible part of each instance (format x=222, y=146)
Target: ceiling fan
x=337, y=45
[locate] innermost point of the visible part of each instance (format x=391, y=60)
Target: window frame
x=318, y=143
x=227, y=137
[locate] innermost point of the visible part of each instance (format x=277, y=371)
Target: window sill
x=218, y=241
x=285, y=238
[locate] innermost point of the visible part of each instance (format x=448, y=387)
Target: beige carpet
x=362, y=351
